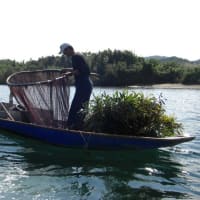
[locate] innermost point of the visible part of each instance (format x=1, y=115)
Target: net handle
x=35, y=83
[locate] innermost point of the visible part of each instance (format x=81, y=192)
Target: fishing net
x=44, y=94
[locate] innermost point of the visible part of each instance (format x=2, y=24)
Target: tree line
x=115, y=67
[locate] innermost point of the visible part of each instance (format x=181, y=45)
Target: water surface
x=33, y=170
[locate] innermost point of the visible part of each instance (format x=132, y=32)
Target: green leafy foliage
x=130, y=114
x=117, y=68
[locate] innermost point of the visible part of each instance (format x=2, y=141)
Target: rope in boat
x=84, y=139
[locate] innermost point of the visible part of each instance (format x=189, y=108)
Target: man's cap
x=63, y=47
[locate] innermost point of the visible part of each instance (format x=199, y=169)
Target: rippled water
x=34, y=170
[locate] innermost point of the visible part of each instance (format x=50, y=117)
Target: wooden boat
x=82, y=139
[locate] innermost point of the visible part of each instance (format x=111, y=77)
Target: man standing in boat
x=83, y=85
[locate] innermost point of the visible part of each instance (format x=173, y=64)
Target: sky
x=31, y=29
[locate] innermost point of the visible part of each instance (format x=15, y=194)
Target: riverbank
x=161, y=86
x=167, y=86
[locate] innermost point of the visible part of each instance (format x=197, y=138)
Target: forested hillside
x=118, y=68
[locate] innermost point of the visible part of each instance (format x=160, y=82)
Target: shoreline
x=166, y=86
x=156, y=86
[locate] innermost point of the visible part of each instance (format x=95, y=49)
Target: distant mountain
x=197, y=61
x=174, y=59
x=157, y=57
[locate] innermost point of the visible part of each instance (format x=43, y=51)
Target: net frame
x=44, y=94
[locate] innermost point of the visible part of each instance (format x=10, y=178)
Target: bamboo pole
x=7, y=112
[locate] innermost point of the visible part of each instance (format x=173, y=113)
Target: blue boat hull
x=89, y=140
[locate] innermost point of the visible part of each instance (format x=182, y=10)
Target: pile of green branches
x=130, y=114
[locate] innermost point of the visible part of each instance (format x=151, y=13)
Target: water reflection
x=33, y=170
x=90, y=174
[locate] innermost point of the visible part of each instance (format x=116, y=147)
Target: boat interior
x=13, y=112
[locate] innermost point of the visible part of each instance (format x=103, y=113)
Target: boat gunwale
x=174, y=138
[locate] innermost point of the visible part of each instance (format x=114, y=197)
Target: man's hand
x=65, y=70
x=76, y=72
x=67, y=74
